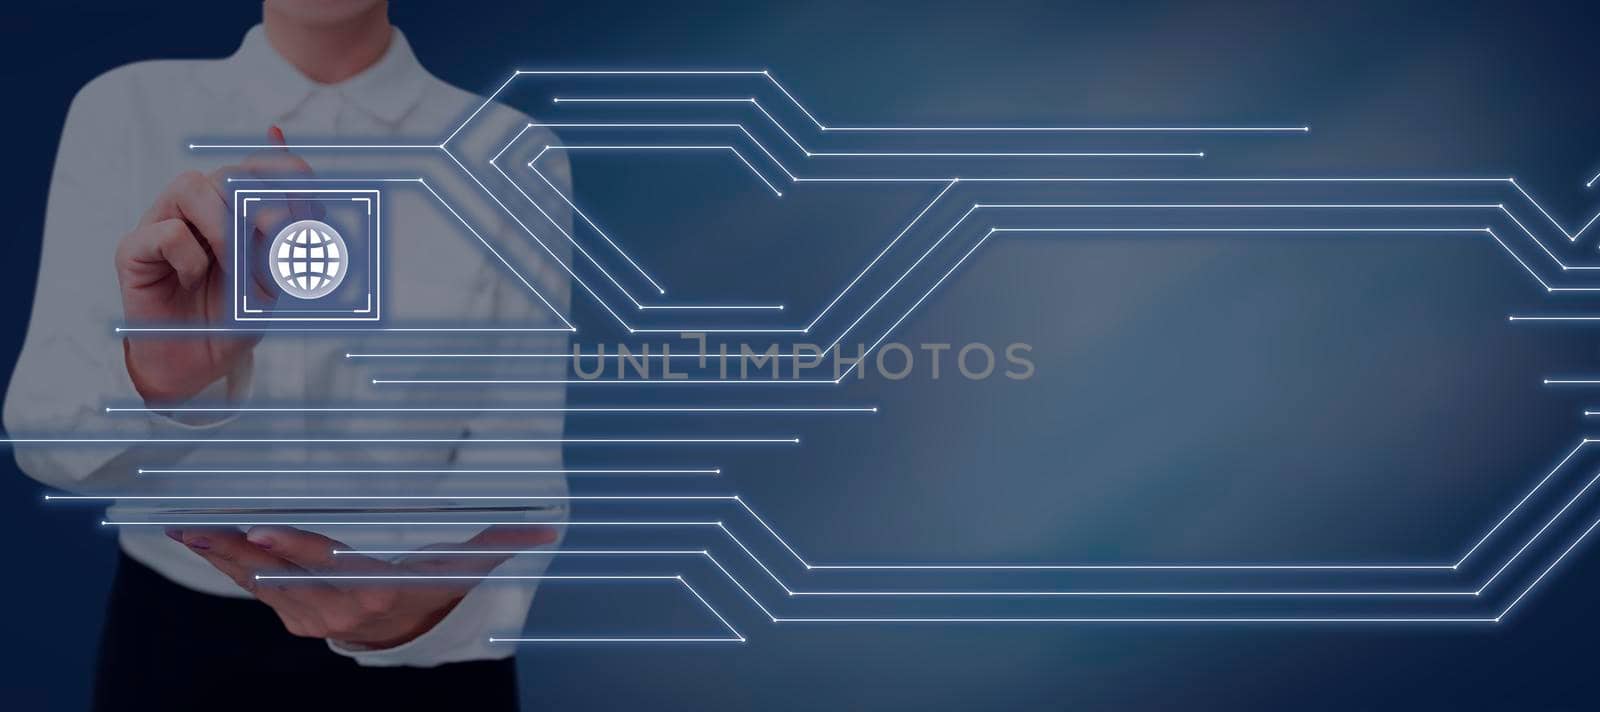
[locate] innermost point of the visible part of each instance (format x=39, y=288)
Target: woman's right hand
x=173, y=271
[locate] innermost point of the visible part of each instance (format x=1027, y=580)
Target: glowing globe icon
x=308, y=259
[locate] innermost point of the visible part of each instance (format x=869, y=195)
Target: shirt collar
x=262, y=77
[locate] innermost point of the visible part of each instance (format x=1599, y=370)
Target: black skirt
x=165, y=647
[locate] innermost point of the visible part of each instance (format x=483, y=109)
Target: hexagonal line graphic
x=947, y=184
x=533, y=165
x=1521, y=226
x=443, y=145
x=494, y=163
x=1166, y=229
x=1534, y=239
x=810, y=153
x=958, y=263
x=952, y=182
x=976, y=207
x=768, y=79
x=1569, y=549
x=810, y=567
x=790, y=98
x=725, y=573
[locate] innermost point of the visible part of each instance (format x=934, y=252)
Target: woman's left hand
x=371, y=612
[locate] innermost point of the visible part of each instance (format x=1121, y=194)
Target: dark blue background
x=1389, y=88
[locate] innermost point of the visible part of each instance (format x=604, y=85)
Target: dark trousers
x=166, y=647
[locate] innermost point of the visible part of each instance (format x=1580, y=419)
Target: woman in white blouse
x=182, y=629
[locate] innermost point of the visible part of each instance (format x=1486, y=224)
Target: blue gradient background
x=1227, y=398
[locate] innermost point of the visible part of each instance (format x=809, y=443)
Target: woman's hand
x=174, y=269
x=370, y=614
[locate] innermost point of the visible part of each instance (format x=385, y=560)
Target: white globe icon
x=308, y=259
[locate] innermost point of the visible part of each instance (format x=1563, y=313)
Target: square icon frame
x=372, y=197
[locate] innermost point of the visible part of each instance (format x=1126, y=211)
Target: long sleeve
x=72, y=366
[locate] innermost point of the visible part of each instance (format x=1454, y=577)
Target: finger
x=281, y=162
x=265, y=216
x=268, y=217
x=194, y=197
x=311, y=551
x=215, y=547
x=235, y=556
x=276, y=162
x=272, y=163
x=279, y=158
x=153, y=251
x=335, y=608
x=228, y=551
